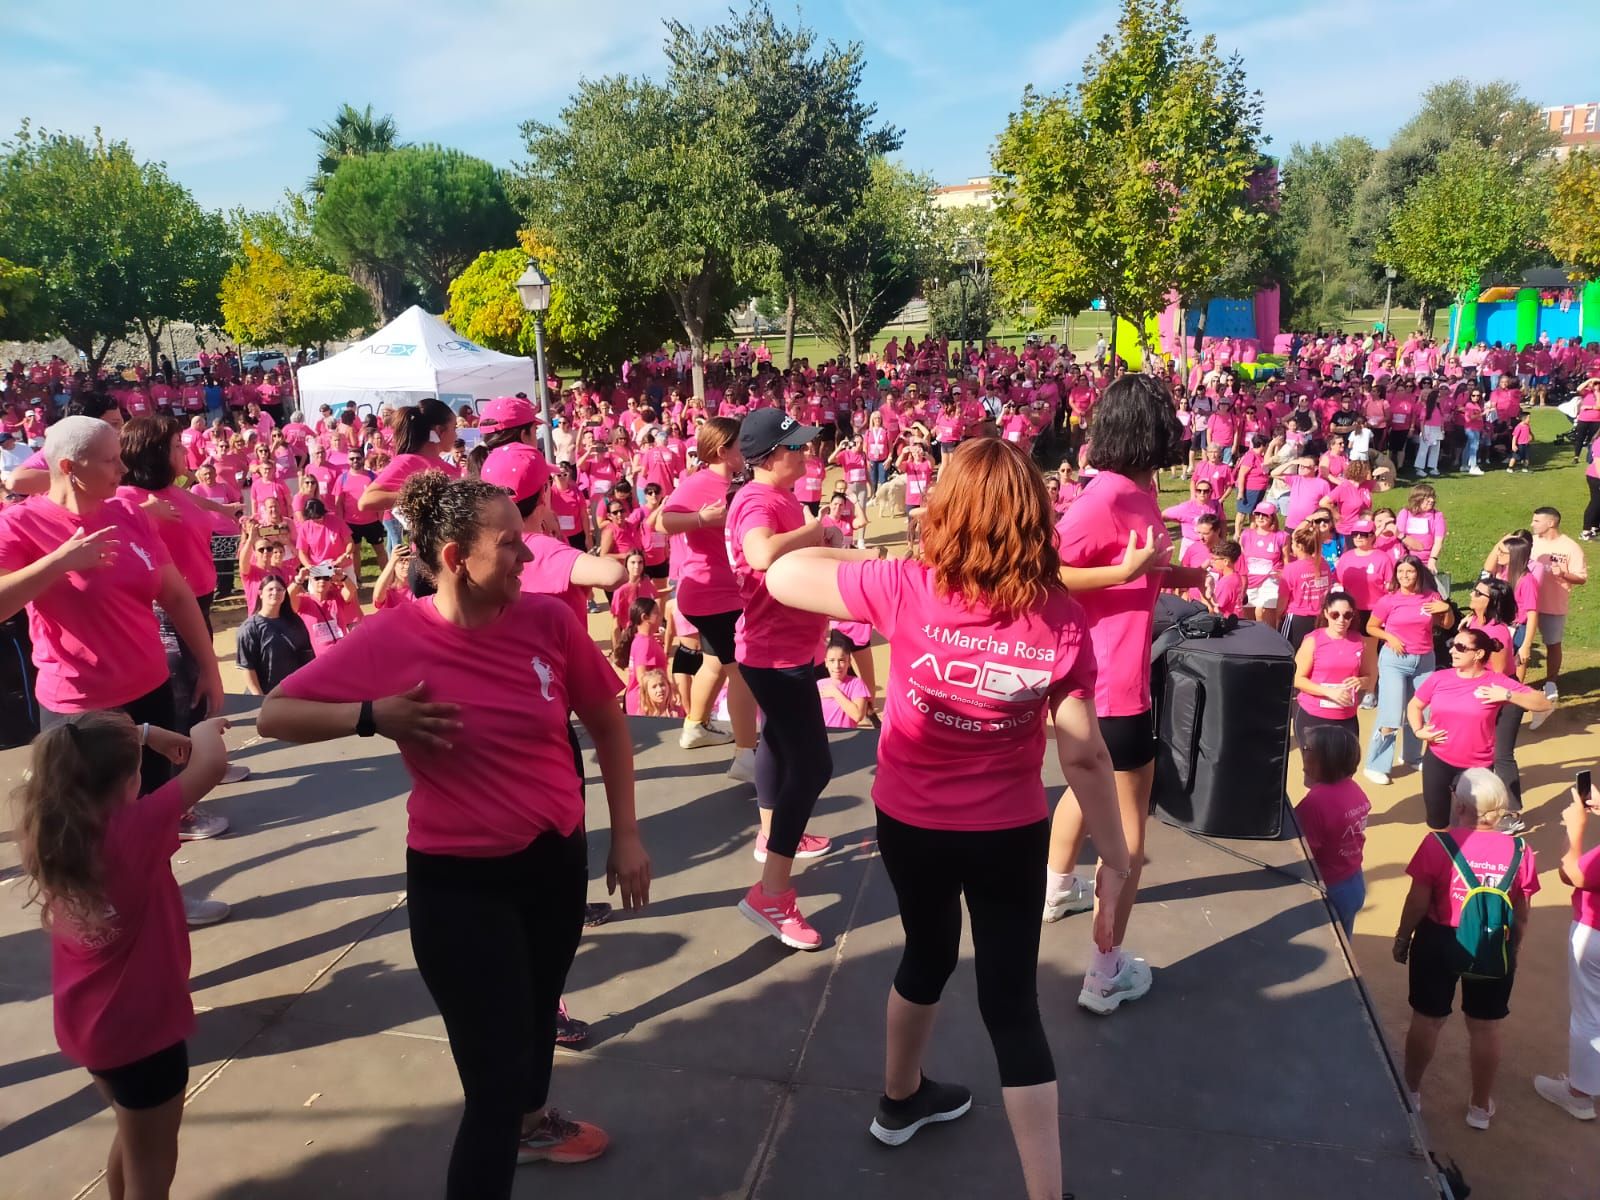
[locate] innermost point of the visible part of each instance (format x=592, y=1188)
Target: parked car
x=189, y=369
x=264, y=360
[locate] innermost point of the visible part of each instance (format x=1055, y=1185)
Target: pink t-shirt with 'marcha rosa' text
x=769, y=634
x=1094, y=533
x=122, y=989
x=1333, y=817
x=1468, y=722
x=509, y=775
x=1305, y=584
x=95, y=638
x=1489, y=855
x=964, y=719
x=706, y=585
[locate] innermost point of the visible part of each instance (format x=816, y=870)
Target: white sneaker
x=1076, y=897
x=1474, y=470
x=1551, y=691
x=1479, y=1118
x=236, y=773
x=197, y=826
x=697, y=734
x=202, y=912
x=1377, y=777
x=1105, y=996
x=1370, y=700
x=1558, y=1093
x=1539, y=718
x=743, y=766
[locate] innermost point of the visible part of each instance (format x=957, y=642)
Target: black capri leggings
x=793, y=761
x=1001, y=872
x=1305, y=722
x=1438, y=789
x=493, y=938
x=1506, y=727
x=1591, y=511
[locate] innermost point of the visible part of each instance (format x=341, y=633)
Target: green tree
x=1574, y=232
x=1472, y=216
x=352, y=133
x=22, y=319
x=1495, y=117
x=964, y=309
x=1314, y=234
x=282, y=288
x=117, y=245
x=810, y=139
x=880, y=262
x=646, y=188
x=1133, y=185
x=420, y=211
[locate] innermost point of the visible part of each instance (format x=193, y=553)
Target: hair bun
x=421, y=497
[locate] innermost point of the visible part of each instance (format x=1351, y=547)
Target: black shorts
x=152, y=1080
x=1433, y=976
x=716, y=633
x=372, y=533
x=1130, y=740
x=578, y=542
x=1396, y=441
x=686, y=661
x=657, y=570
x=1305, y=722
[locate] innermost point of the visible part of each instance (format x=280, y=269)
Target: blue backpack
x=1483, y=937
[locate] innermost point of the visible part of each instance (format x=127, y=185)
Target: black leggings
x=1001, y=872
x=493, y=938
x=1438, y=789
x=1582, y=434
x=793, y=761
x=1305, y=722
x=1506, y=727
x=157, y=709
x=1591, y=511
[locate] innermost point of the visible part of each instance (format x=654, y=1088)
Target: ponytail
x=419, y=425
x=638, y=613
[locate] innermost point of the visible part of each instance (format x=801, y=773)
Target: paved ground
x=723, y=1066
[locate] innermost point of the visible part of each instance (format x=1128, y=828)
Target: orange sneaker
x=558, y=1140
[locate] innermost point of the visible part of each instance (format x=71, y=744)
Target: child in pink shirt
x=99, y=855
x=1226, y=590
x=1333, y=818
x=845, y=699
x=638, y=649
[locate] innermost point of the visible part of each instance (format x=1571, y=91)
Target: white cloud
x=162, y=115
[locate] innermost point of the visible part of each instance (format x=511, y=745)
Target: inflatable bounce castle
x=1545, y=303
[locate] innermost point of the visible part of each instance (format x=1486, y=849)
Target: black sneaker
x=898, y=1120
x=597, y=913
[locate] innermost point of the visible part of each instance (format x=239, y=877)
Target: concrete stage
x=722, y=1065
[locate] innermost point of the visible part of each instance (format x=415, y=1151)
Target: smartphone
x=1585, y=784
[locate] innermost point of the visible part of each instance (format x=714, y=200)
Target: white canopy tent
x=413, y=356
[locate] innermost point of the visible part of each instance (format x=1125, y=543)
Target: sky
x=226, y=94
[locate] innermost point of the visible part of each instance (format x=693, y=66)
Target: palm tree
x=351, y=133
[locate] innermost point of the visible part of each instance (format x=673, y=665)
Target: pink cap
x=507, y=412
x=1265, y=509
x=521, y=470
x=1362, y=525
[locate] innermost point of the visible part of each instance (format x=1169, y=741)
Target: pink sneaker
x=811, y=846
x=780, y=917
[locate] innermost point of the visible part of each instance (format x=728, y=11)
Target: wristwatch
x=366, y=725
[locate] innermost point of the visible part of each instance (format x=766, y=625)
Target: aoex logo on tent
x=392, y=349
x=459, y=344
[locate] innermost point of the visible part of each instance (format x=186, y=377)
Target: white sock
x=1055, y=883
x=1107, y=962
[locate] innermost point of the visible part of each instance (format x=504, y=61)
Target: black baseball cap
x=764, y=430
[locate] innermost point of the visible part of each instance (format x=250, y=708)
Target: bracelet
x=1124, y=873
x=144, y=734
x=366, y=725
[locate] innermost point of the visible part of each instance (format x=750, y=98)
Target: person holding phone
x=1575, y=1091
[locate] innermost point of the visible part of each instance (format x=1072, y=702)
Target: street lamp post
x=1389, y=274
x=534, y=289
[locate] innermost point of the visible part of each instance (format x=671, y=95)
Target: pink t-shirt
x=1333, y=660
x=622, y=599
x=1305, y=583
x=769, y=634
x=1227, y=593
x=964, y=722
x=1263, y=554
x=95, y=638
x=706, y=585
x=1488, y=854
x=122, y=992
x=509, y=776
x=1093, y=532
x=188, y=539
x=1403, y=614
x=324, y=541
x=327, y=623
x=643, y=655
x=346, y=498
x=549, y=573
x=1333, y=817
x=1305, y=493
x=403, y=466
x=1468, y=721
x=833, y=716
x=1421, y=530
x=1586, y=901
x=1365, y=576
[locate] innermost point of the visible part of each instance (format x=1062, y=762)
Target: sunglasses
x=1462, y=647
x=1341, y=616
x=1322, y=521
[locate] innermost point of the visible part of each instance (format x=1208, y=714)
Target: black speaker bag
x=1223, y=707
x=19, y=715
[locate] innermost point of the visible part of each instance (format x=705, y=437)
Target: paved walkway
x=723, y=1066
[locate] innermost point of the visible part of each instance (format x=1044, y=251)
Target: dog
x=890, y=498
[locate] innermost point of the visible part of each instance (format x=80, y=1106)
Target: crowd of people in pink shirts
x=739, y=596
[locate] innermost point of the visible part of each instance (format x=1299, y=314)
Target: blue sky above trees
x=226, y=94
